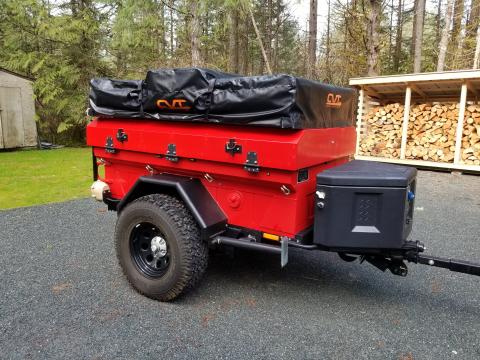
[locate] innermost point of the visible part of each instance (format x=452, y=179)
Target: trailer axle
x=247, y=243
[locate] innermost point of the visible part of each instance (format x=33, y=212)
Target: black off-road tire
x=188, y=253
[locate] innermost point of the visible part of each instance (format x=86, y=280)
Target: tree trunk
x=268, y=32
x=260, y=42
x=312, y=39
x=471, y=33
x=418, y=31
x=390, y=36
x=414, y=26
x=277, y=40
x=305, y=58
x=172, y=4
x=373, y=42
x=195, y=33
x=162, y=49
x=455, y=42
x=233, y=41
x=398, y=38
x=204, y=31
x=438, y=22
x=476, y=58
x=243, y=49
x=445, y=37
x=345, y=29
x=327, y=49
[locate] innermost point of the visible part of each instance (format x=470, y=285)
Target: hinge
x=171, y=154
x=109, y=145
x=251, y=165
x=232, y=147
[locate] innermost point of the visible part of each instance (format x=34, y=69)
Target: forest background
x=63, y=44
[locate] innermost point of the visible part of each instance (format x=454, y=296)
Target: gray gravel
x=62, y=295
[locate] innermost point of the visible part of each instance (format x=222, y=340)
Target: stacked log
x=431, y=132
x=471, y=136
x=383, y=131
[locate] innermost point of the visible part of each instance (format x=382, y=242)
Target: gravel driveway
x=62, y=295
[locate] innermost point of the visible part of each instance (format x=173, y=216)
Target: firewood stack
x=430, y=136
x=431, y=132
x=471, y=136
x=383, y=131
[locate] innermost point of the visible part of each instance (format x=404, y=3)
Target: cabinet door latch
x=122, y=135
x=232, y=147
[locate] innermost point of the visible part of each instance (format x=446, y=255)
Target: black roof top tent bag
x=195, y=94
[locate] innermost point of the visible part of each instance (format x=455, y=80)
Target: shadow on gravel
x=323, y=277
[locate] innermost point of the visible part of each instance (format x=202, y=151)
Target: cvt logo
x=334, y=100
x=175, y=104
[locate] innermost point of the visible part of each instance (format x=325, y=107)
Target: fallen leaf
x=407, y=356
x=206, y=319
x=57, y=289
x=436, y=288
x=251, y=302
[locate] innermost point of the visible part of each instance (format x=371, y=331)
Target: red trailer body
x=274, y=195
x=196, y=160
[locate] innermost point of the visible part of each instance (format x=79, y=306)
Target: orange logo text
x=334, y=100
x=175, y=104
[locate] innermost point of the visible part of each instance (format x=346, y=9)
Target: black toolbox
x=364, y=205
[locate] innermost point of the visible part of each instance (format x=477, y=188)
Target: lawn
x=35, y=177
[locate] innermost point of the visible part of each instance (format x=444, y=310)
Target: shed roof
x=434, y=86
x=16, y=74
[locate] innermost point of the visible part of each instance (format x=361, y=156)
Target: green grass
x=34, y=177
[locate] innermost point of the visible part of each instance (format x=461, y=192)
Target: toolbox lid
x=367, y=173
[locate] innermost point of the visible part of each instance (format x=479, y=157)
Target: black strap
x=140, y=98
x=209, y=98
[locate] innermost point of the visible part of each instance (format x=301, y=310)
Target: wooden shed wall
x=17, y=112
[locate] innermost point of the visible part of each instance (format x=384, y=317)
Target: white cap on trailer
x=97, y=188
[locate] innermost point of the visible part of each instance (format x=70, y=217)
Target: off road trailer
x=195, y=159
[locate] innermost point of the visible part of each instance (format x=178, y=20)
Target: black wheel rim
x=149, y=249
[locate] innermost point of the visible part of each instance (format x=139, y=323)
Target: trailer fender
x=210, y=218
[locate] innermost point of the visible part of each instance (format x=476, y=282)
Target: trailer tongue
x=195, y=159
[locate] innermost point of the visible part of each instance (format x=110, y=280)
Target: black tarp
x=195, y=94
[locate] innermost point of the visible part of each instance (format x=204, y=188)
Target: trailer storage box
x=364, y=205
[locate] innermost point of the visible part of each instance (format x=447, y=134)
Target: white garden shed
x=17, y=111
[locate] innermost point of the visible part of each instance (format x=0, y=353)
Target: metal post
x=361, y=98
x=459, y=132
x=406, y=118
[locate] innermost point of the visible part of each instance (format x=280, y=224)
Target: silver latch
x=320, y=195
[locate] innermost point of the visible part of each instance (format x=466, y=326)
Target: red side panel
x=251, y=200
